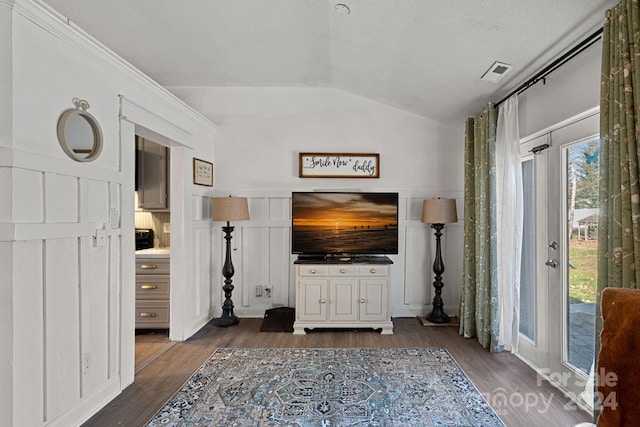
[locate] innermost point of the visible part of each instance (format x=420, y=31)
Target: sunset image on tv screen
x=345, y=222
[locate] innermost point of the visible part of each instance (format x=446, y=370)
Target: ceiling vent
x=496, y=72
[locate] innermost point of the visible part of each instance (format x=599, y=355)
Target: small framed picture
x=202, y=172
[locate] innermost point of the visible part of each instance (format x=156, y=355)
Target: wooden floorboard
x=150, y=345
x=497, y=376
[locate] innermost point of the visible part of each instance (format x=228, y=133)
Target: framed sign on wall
x=339, y=165
x=202, y=172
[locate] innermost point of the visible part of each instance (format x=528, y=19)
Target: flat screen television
x=344, y=223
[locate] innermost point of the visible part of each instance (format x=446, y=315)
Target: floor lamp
x=438, y=212
x=228, y=209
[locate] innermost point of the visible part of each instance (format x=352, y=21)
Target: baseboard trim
x=89, y=406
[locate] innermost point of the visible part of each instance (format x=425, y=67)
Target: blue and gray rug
x=328, y=387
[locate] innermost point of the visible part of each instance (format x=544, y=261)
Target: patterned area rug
x=328, y=387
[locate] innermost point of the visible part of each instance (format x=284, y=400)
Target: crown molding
x=61, y=27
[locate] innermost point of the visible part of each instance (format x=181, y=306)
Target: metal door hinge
x=538, y=149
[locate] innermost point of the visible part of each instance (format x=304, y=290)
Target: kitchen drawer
x=314, y=270
x=152, y=266
x=152, y=287
x=152, y=314
x=372, y=270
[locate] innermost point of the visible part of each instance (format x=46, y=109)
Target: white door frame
x=136, y=120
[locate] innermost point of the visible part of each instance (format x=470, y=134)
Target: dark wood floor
x=508, y=384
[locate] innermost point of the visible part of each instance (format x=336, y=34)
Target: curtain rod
x=542, y=74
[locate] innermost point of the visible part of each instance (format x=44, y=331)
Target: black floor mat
x=278, y=319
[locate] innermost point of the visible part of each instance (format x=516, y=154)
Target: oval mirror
x=79, y=133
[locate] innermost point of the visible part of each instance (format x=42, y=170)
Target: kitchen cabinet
x=152, y=292
x=343, y=295
x=152, y=175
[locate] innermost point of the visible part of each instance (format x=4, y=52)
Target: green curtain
x=619, y=215
x=479, y=316
x=619, y=225
x=619, y=205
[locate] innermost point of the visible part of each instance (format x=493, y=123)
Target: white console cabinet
x=343, y=295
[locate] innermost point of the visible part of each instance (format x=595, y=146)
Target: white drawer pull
x=343, y=270
x=147, y=314
x=148, y=266
x=373, y=271
x=322, y=301
x=312, y=271
x=149, y=286
x=362, y=300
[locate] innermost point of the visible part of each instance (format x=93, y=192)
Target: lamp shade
x=439, y=211
x=230, y=209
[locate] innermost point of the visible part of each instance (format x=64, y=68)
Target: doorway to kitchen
x=153, y=250
x=135, y=120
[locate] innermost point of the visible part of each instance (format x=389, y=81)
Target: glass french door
x=558, y=276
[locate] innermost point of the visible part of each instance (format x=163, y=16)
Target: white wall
x=66, y=305
x=262, y=130
x=569, y=91
x=6, y=253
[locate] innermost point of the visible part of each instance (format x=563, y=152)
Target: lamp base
x=227, y=320
x=438, y=316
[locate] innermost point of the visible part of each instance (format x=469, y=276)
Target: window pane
x=527, y=269
x=582, y=210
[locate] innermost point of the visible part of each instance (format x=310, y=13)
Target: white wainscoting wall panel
x=261, y=255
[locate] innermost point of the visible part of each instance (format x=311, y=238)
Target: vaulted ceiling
x=423, y=56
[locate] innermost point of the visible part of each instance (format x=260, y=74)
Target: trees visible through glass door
x=582, y=220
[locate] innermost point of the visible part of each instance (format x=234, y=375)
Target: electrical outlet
x=86, y=363
x=166, y=227
x=258, y=291
x=267, y=292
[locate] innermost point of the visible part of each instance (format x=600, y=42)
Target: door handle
x=552, y=263
x=553, y=245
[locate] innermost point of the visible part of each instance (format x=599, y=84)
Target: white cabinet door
x=373, y=299
x=312, y=300
x=343, y=300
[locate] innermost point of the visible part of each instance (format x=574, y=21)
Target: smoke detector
x=496, y=72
